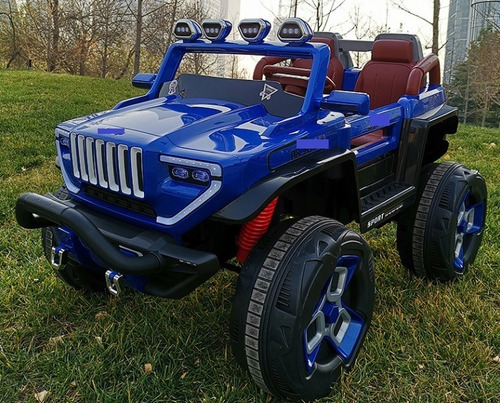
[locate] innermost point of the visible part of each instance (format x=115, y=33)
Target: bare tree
x=138, y=38
x=54, y=21
x=9, y=14
x=323, y=10
x=362, y=27
x=434, y=23
x=484, y=72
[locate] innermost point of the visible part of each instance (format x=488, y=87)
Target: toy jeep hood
x=212, y=125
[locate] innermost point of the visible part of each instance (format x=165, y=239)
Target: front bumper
x=171, y=270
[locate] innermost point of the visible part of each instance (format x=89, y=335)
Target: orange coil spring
x=252, y=231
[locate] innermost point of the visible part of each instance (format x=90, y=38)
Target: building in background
x=228, y=10
x=466, y=19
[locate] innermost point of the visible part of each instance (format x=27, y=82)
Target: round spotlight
x=187, y=30
x=254, y=30
x=216, y=30
x=295, y=30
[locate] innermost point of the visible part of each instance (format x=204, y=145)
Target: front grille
x=111, y=166
x=121, y=201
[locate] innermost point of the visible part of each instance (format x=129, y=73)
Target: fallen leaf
x=492, y=145
x=56, y=339
x=101, y=314
x=41, y=396
x=99, y=340
x=447, y=157
x=184, y=375
x=73, y=384
x=496, y=359
x=420, y=366
x=148, y=368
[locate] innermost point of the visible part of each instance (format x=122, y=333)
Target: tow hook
x=58, y=258
x=113, y=282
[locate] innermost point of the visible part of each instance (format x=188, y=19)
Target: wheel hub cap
x=470, y=219
x=333, y=321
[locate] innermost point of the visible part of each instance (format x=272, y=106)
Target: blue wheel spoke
x=351, y=336
x=473, y=219
x=311, y=358
x=332, y=321
x=470, y=220
x=351, y=262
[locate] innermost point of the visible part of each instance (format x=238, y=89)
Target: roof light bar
x=188, y=30
x=216, y=30
x=254, y=30
x=295, y=30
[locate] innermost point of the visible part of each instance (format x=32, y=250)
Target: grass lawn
x=427, y=342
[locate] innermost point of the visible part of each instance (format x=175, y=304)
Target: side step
x=380, y=206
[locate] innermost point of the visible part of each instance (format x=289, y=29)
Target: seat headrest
x=327, y=41
x=392, y=50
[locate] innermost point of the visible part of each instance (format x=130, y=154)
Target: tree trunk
x=435, y=27
x=53, y=41
x=138, y=38
x=84, y=52
x=173, y=11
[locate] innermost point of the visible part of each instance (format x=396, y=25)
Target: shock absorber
x=252, y=231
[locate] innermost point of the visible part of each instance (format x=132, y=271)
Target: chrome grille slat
x=99, y=156
x=122, y=169
x=81, y=158
x=136, y=165
x=74, y=155
x=111, y=166
x=110, y=163
x=89, y=151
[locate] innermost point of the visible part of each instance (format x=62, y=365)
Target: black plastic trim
x=102, y=234
x=253, y=201
x=37, y=211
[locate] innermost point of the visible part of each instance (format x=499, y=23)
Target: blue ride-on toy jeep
x=203, y=173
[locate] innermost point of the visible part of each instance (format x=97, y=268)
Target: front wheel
x=303, y=304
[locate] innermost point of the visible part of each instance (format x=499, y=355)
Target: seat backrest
x=385, y=76
x=335, y=68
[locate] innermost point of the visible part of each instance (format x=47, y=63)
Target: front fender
x=252, y=202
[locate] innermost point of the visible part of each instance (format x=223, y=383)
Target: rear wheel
x=73, y=273
x=302, y=307
x=439, y=237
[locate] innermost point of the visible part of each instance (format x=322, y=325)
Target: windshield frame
x=318, y=52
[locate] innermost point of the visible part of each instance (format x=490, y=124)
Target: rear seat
x=384, y=78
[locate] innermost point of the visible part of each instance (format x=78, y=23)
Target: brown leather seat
x=385, y=76
x=335, y=70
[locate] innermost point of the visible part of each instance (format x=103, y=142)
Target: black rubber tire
x=406, y=220
x=277, y=293
x=426, y=232
x=73, y=274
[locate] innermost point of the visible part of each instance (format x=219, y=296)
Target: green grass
x=427, y=342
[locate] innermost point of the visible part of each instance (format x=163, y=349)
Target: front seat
x=335, y=69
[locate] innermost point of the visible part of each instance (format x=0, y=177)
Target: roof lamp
x=187, y=30
x=216, y=30
x=295, y=30
x=254, y=30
